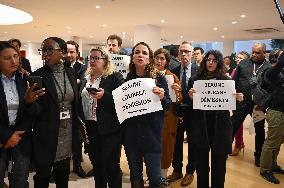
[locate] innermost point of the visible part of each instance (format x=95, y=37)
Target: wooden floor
x=241, y=172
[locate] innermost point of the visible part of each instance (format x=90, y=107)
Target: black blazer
x=24, y=117
x=176, y=71
x=46, y=128
x=107, y=120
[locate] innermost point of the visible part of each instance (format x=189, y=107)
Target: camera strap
x=255, y=71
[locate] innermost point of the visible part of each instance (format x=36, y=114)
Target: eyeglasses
x=213, y=60
x=49, y=51
x=95, y=58
x=184, y=51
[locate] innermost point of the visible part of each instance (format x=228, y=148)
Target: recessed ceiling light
x=104, y=42
x=28, y=41
x=68, y=27
x=91, y=36
x=5, y=32
x=192, y=41
x=123, y=33
x=234, y=22
x=98, y=6
x=162, y=21
x=243, y=15
x=181, y=36
x=25, y=45
x=10, y=16
x=223, y=36
x=215, y=28
x=104, y=25
x=123, y=36
x=68, y=31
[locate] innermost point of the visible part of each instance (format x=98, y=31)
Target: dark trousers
x=178, y=150
x=20, y=170
x=238, y=118
x=218, y=169
x=218, y=160
x=61, y=172
x=77, y=156
x=104, y=153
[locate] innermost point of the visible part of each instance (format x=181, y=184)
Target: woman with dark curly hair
x=211, y=129
x=162, y=60
x=143, y=134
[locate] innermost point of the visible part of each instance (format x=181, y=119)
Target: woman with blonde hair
x=98, y=113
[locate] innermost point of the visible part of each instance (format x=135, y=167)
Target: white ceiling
x=192, y=19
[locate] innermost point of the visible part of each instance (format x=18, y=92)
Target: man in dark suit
x=185, y=71
x=72, y=57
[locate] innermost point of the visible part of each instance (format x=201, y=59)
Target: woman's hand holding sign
x=176, y=88
x=190, y=93
x=159, y=91
x=239, y=96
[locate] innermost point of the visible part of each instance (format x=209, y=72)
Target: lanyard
x=255, y=72
x=56, y=82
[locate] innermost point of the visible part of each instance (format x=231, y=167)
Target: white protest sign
x=170, y=81
x=121, y=63
x=135, y=97
x=214, y=95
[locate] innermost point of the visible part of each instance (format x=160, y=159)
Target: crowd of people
x=48, y=114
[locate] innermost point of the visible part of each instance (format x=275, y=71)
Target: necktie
x=183, y=82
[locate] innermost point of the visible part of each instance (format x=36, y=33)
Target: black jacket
x=46, y=128
x=243, y=75
x=221, y=126
x=107, y=121
x=24, y=120
x=276, y=78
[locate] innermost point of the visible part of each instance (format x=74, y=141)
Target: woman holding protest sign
x=98, y=112
x=162, y=60
x=143, y=133
x=211, y=129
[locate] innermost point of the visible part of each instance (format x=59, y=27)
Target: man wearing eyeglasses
x=185, y=71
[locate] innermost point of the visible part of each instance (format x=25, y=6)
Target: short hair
x=62, y=44
x=166, y=53
x=115, y=37
x=260, y=44
x=72, y=42
x=245, y=54
x=5, y=45
x=186, y=42
x=15, y=40
x=109, y=67
x=198, y=48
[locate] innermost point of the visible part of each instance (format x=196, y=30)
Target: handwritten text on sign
x=135, y=97
x=121, y=63
x=214, y=95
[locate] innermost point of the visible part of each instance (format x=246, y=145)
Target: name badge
x=65, y=114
